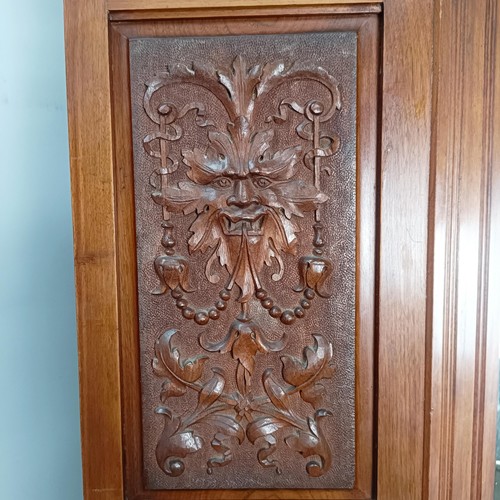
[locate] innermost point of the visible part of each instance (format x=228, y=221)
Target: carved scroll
x=247, y=201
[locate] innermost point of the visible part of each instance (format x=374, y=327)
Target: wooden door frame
x=437, y=338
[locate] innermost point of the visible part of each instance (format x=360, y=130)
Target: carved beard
x=246, y=250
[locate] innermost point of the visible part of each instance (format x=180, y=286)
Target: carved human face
x=245, y=198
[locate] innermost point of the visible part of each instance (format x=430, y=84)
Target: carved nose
x=242, y=196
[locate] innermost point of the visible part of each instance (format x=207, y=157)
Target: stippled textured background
x=334, y=318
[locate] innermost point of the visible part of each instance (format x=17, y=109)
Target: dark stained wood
x=92, y=185
x=366, y=230
x=228, y=210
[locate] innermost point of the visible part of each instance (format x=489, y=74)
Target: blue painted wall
x=39, y=415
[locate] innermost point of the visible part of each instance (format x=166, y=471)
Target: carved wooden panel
x=245, y=192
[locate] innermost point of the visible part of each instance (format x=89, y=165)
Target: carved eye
x=261, y=182
x=222, y=182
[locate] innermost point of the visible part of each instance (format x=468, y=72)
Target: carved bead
x=318, y=240
x=287, y=317
x=261, y=294
x=168, y=240
x=188, y=312
x=299, y=312
x=213, y=313
x=275, y=312
x=309, y=293
x=181, y=303
x=317, y=108
x=225, y=294
x=267, y=303
x=305, y=304
x=176, y=293
x=201, y=318
x=220, y=305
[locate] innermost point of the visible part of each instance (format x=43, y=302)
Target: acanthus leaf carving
x=312, y=442
x=168, y=363
x=175, y=444
x=305, y=374
x=246, y=197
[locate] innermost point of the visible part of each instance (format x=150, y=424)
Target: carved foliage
x=241, y=414
x=245, y=197
x=237, y=186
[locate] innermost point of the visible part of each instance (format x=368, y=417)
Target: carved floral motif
x=246, y=199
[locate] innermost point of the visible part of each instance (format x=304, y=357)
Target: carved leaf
x=244, y=350
x=313, y=395
x=204, y=165
x=313, y=366
x=299, y=196
x=266, y=451
x=272, y=72
x=227, y=425
x=221, y=444
x=240, y=83
x=186, y=198
x=168, y=363
x=206, y=234
x=281, y=166
x=171, y=389
x=211, y=390
x=259, y=145
x=175, y=444
x=263, y=427
x=276, y=394
x=312, y=443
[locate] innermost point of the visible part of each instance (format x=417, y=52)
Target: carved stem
x=250, y=262
x=197, y=417
x=288, y=418
x=317, y=160
x=238, y=263
x=164, y=160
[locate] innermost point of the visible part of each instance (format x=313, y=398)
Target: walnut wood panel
x=465, y=338
x=180, y=13
x=364, y=392
x=248, y=147
x=465, y=51
x=116, y=5
x=92, y=190
x=405, y=153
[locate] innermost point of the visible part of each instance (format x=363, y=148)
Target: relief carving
x=245, y=200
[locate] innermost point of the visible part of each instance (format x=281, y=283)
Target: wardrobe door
x=267, y=247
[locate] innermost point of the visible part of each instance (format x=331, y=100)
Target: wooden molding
x=93, y=191
x=367, y=28
x=113, y=5
x=404, y=150
x=234, y=12
x=463, y=346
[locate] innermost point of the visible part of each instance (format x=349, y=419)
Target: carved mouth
x=233, y=225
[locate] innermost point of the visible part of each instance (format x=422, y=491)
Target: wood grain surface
x=463, y=349
x=438, y=267
x=209, y=11
x=89, y=119
x=367, y=27
x=137, y=5
x=405, y=150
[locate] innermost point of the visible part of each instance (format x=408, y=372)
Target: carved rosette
x=244, y=199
